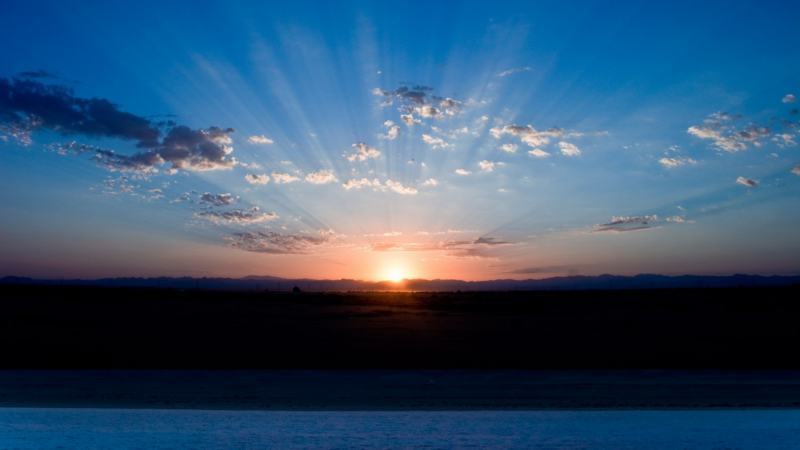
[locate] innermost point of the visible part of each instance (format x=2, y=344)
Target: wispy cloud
x=510, y=71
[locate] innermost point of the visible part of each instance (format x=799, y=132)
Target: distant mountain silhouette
x=257, y=282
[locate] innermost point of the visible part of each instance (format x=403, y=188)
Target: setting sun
x=396, y=276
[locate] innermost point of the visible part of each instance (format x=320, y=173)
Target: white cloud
x=486, y=166
x=409, y=120
x=256, y=179
x=789, y=99
x=747, y=182
x=393, y=131
x=283, y=178
x=350, y=184
x=364, y=151
x=427, y=111
x=538, y=153
x=321, y=177
x=430, y=182
x=398, y=187
x=463, y=172
x=675, y=162
x=510, y=71
x=785, y=140
x=435, y=142
x=679, y=219
x=796, y=170
x=528, y=134
x=510, y=148
x=392, y=185
x=259, y=140
x=569, y=149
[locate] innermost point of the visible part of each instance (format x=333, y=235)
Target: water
x=30, y=428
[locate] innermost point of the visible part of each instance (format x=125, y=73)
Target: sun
x=396, y=276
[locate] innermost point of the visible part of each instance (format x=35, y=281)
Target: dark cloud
x=620, y=230
x=414, y=96
x=491, y=241
x=37, y=74
x=621, y=220
x=281, y=244
x=622, y=224
x=28, y=105
x=236, y=216
x=533, y=270
x=217, y=200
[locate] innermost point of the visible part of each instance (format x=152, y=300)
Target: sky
x=374, y=141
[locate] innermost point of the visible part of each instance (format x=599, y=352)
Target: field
x=118, y=328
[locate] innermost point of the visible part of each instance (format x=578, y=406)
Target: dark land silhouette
x=576, y=282
x=86, y=327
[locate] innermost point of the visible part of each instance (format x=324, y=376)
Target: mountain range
x=264, y=282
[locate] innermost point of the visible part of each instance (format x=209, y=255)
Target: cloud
x=569, y=149
x=725, y=137
x=404, y=93
x=363, y=151
x=398, y=187
x=463, y=172
x=283, y=178
x=796, y=170
x=393, y=131
x=620, y=230
x=747, y=182
x=538, y=153
x=785, y=140
x=486, y=166
x=432, y=182
x=357, y=184
x=679, y=219
x=533, y=270
x=675, y=162
x=528, y=134
x=236, y=216
x=321, y=177
x=621, y=224
x=217, y=200
x=28, y=105
x=428, y=111
x=510, y=148
x=510, y=71
x=37, y=74
x=376, y=184
x=491, y=241
x=409, y=120
x=256, y=179
x=435, y=142
x=259, y=140
x=621, y=220
x=452, y=249
x=789, y=99
x=281, y=244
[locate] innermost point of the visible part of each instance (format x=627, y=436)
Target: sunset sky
x=374, y=140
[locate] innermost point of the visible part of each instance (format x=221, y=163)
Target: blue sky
x=431, y=140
